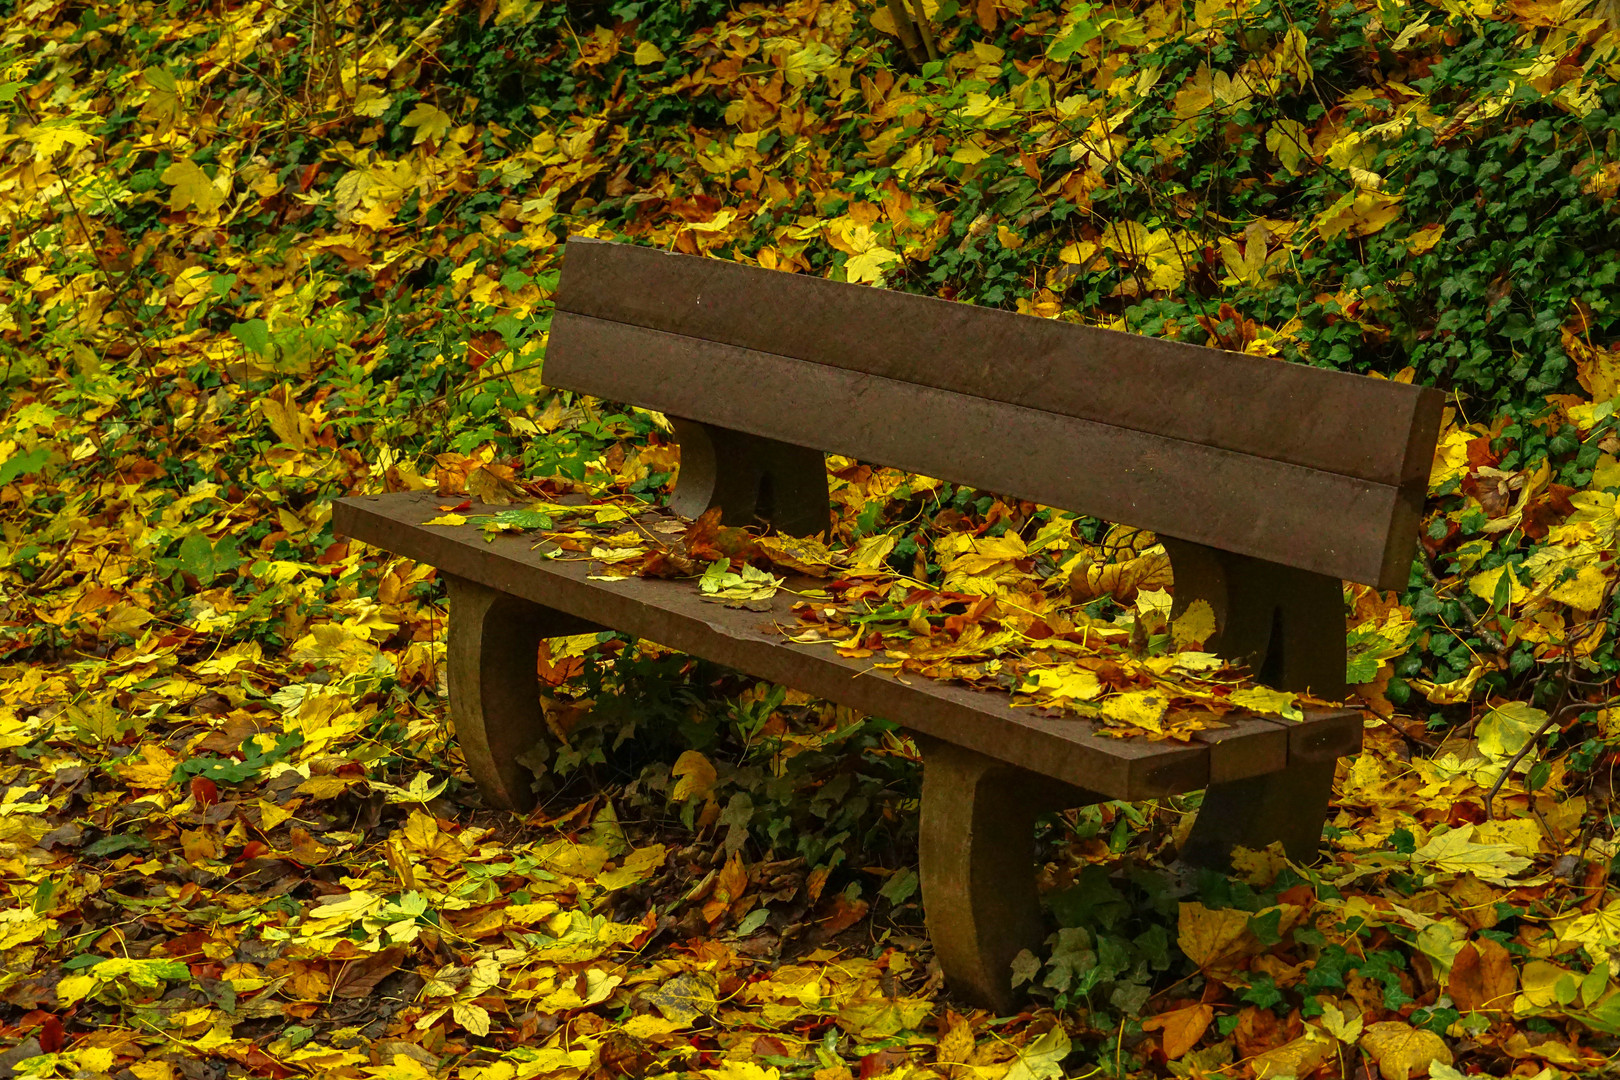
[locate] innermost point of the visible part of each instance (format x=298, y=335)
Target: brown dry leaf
x=728, y=889
x=1482, y=977
x=1403, y=1051
x=358, y=978
x=1182, y=1028
x=198, y=845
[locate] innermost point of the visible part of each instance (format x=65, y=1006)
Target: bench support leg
x=492, y=654
x=1288, y=626
x=752, y=479
x=978, y=867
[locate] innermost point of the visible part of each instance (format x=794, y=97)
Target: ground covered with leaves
x=262, y=256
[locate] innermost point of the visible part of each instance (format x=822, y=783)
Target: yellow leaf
x=1288, y=140
x=1042, y=1057
x=1300, y=1057
x=1597, y=370
x=1402, y=1050
x=1078, y=253
x=869, y=265
x=152, y=770
x=1008, y=239
x=1504, y=730
x=193, y=189
x=447, y=519
x=1359, y=215
x=1346, y=1027
x=741, y=1069
x=271, y=815
x=281, y=412
x=1584, y=591
x=74, y=988
x=1194, y=626
x=1597, y=932
x=472, y=1017
x=1214, y=939
x=1425, y=239
x=1454, y=852
x=1066, y=683
x=1450, y=457
x=1484, y=585
x=50, y=136
x=1137, y=708
x=430, y=122
x=327, y=786
x=871, y=552
x=1266, y=700
x=648, y=53
x=695, y=776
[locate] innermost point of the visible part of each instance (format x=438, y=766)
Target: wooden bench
x=1268, y=483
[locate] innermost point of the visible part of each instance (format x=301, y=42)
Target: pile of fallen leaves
x=259, y=257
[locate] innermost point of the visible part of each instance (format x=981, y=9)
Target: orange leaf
x=1182, y=1028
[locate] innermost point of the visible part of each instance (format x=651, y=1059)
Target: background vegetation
x=261, y=256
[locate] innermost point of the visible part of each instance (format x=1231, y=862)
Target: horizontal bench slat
x=670, y=613
x=1325, y=522
x=1319, y=419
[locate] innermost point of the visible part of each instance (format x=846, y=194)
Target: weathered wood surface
x=1301, y=466
x=671, y=614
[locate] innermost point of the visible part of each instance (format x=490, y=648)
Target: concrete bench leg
x=1288, y=625
x=978, y=867
x=492, y=656
x=1289, y=806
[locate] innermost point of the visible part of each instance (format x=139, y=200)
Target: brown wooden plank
x=670, y=613
x=1324, y=522
x=1319, y=419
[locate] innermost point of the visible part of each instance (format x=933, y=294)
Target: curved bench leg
x=1289, y=806
x=751, y=478
x=1288, y=625
x=493, y=647
x=978, y=867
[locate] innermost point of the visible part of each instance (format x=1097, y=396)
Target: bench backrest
x=1316, y=469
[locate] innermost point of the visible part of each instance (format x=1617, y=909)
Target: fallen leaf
x=1402, y=1050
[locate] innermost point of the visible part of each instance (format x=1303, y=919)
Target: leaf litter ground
x=260, y=258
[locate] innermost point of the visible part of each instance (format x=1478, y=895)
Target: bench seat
x=670, y=613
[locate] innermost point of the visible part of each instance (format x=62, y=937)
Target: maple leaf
x=1041, y=1058
x=430, y=122
x=194, y=189
x=1182, y=1028
x=1455, y=852
x=1403, y=1051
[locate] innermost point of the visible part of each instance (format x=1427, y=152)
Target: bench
x=1269, y=484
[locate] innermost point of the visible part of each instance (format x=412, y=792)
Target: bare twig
x=907, y=32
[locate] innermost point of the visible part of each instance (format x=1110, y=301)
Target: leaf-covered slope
x=259, y=256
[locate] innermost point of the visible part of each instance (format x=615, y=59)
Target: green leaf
x=197, y=558
x=254, y=336
x=900, y=887
x=25, y=464
x=1073, y=39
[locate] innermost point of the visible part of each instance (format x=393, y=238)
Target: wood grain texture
x=670, y=613
x=1312, y=417
x=1328, y=523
